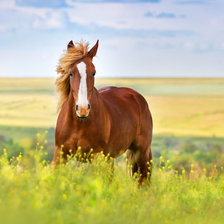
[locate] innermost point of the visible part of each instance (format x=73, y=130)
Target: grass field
x=32, y=192
x=188, y=149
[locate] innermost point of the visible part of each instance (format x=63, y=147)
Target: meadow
x=32, y=192
x=188, y=178
x=33, y=102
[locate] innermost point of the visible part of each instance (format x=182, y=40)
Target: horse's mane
x=74, y=53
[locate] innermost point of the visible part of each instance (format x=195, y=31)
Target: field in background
x=183, y=110
x=182, y=107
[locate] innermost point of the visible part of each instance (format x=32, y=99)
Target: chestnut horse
x=112, y=120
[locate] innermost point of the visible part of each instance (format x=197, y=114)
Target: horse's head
x=81, y=80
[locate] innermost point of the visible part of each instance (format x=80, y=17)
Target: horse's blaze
x=82, y=103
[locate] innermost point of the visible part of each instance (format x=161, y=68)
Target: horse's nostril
x=89, y=106
x=76, y=107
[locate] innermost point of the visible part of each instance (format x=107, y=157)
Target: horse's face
x=82, y=83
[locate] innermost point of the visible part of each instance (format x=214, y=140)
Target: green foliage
x=15, y=148
x=32, y=191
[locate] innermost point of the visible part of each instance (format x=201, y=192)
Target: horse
x=111, y=120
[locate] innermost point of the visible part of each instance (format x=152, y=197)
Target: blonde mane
x=74, y=53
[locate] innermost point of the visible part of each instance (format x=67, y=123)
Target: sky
x=144, y=38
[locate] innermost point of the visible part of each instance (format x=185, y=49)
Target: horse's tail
x=132, y=166
x=130, y=161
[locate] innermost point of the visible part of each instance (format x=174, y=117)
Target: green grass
x=32, y=192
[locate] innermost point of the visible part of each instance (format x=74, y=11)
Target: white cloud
x=121, y=16
x=222, y=45
x=51, y=20
x=7, y=4
x=40, y=18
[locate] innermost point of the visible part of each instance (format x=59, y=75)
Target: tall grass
x=31, y=191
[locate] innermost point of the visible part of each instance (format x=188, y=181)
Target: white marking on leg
x=82, y=94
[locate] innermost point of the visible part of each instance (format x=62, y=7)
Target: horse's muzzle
x=82, y=111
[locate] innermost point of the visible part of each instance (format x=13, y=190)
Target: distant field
x=27, y=102
x=182, y=107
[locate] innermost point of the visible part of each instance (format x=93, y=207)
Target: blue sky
x=146, y=38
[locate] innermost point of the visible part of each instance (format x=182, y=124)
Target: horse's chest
x=86, y=139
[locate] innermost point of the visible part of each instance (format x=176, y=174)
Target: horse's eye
x=70, y=74
x=94, y=73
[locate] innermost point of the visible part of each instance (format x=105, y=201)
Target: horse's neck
x=100, y=115
x=97, y=104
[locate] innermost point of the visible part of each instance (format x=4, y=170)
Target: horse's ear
x=70, y=44
x=93, y=51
